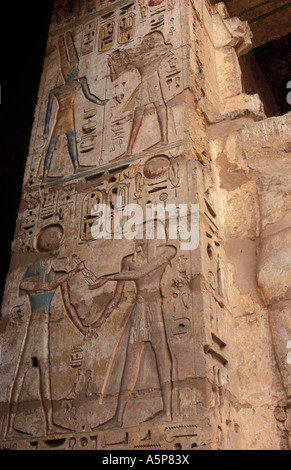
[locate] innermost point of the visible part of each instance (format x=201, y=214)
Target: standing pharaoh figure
x=147, y=59
x=146, y=267
x=40, y=283
x=65, y=95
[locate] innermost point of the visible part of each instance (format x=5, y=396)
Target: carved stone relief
x=142, y=75
x=50, y=288
x=110, y=339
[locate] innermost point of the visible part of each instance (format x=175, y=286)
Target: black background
x=24, y=32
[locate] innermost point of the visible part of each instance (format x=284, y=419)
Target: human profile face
x=72, y=75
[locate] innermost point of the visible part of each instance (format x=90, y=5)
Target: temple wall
x=111, y=341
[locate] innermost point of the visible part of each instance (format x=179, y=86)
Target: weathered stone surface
x=268, y=20
x=257, y=250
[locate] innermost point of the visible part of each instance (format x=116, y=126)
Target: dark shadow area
x=24, y=32
x=266, y=70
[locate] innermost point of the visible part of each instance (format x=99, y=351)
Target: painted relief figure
x=65, y=96
x=147, y=59
x=145, y=267
x=40, y=283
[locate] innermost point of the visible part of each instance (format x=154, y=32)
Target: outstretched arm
x=70, y=309
x=48, y=113
x=111, y=306
x=116, y=298
x=165, y=258
x=89, y=95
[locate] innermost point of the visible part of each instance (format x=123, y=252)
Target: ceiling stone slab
x=268, y=19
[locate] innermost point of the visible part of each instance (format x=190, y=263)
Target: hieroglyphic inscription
x=173, y=74
x=117, y=134
x=49, y=204
x=90, y=207
x=126, y=28
x=106, y=33
x=92, y=213
x=158, y=19
x=68, y=10
x=89, y=38
x=88, y=133
x=77, y=357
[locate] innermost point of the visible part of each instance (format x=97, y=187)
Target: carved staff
x=89, y=276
